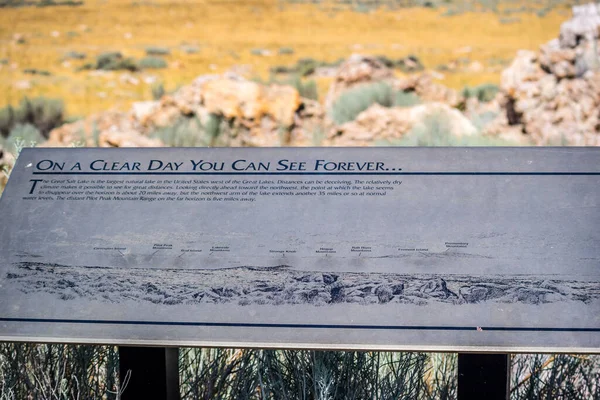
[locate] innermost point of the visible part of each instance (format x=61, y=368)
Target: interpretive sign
x=479, y=249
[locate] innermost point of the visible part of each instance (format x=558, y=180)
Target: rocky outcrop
x=390, y=124
x=250, y=101
x=6, y=163
x=108, y=129
x=424, y=86
x=584, y=26
x=357, y=70
x=253, y=114
x=553, y=96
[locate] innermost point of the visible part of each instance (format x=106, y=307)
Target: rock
x=436, y=288
x=357, y=70
x=375, y=123
x=524, y=70
x=163, y=113
x=584, y=25
x=308, y=278
x=473, y=294
x=457, y=124
x=22, y=84
x=255, y=115
x=553, y=97
x=108, y=129
x=424, y=86
x=6, y=163
x=309, y=122
x=337, y=292
x=558, y=61
x=127, y=139
x=475, y=67
x=384, y=294
x=227, y=291
x=410, y=64
x=328, y=279
x=281, y=103
x=389, y=124
x=309, y=295
x=143, y=110
x=398, y=289
x=241, y=99
x=232, y=99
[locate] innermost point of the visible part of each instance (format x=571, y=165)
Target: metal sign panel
x=482, y=249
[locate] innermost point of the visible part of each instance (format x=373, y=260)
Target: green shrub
x=306, y=66
x=189, y=49
x=385, y=60
x=409, y=64
x=114, y=61
x=190, y=132
x=307, y=89
x=435, y=131
x=485, y=92
x=451, y=12
x=35, y=71
x=483, y=119
x=282, y=69
x=542, y=12
x=158, y=91
x=406, y=99
x=108, y=59
x=286, y=50
x=157, y=51
x=44, y=114
x=356, y=100
x=7, y=120
x=152, y=63
x=388, y=62
x=4, y=61
x=37, y=3
x=51, y=3
x=74, y=55
x=259, y=52
x=26, y=133
x=509, y=20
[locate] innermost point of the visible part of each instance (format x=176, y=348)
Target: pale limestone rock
x=357, y=70
x=428, y=90
x=389, y=124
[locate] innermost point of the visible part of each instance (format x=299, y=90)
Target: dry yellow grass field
x=225, y=33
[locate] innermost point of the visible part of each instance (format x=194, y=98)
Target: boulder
x=6, y=163
x=384, y=293
x=553, y=97
x=329, y=279
x=337, y=293
x=241, y=99
x=108, y=129
x=474, y=294
x=584, y=26
x=436, y=288
x=389, y=124
x=357, y=70
x=398, y=289
x=428, y=90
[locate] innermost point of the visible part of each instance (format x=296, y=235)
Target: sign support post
x=483, y=376
x=149, y=373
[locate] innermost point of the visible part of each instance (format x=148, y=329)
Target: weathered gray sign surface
x=489, y=249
